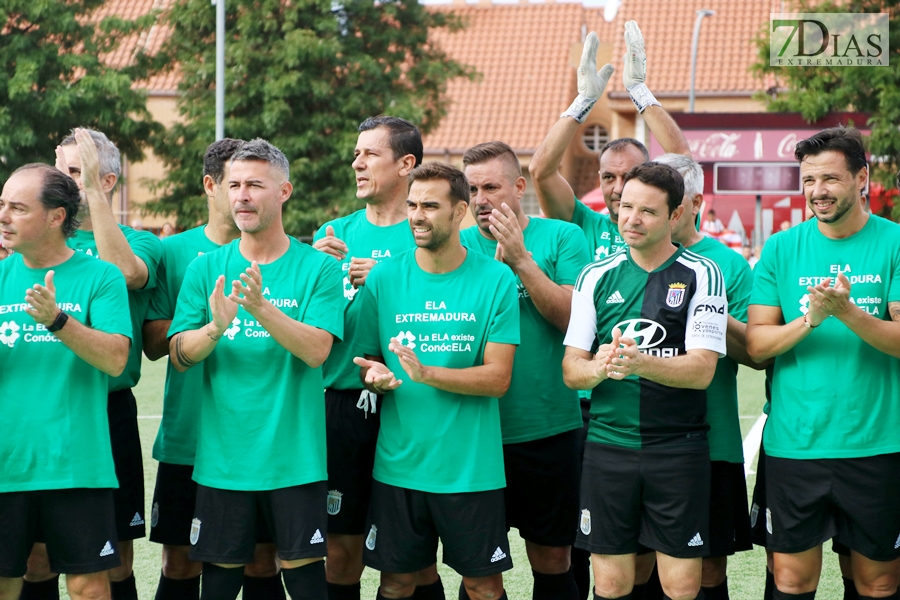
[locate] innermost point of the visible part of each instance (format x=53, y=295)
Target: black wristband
x=58, y=323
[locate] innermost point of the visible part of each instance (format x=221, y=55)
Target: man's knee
x=126, y=554
x=264, y=562
x=398, y=585
x=874, y=578
x=177, y=564
x=89, y=586
x=484, y=588
x=714, y=571
x=551, y=560
x=798, y=573
x=344, y=564
x=10, y=588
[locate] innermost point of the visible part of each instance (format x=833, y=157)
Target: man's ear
x=209, y=185
x=56, y=217
x=407, y=164
x=108, y=182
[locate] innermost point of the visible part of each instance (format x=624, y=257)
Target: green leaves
x=302, y=74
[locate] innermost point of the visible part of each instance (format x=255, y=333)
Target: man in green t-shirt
x=647, y=328
x=67, y=337
x=176, y=441
x=94, y=162
x=260, y=458
x=729, y=520
x=826, y=306
x=387, y=149
x=539, y=416
x=439, y=459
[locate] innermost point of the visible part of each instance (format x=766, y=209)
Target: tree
x=301, y=74
x=53, y=78
x=816, y=91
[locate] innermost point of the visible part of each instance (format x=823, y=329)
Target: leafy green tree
x=301, y=74
x=53, y=78
x=816, y=91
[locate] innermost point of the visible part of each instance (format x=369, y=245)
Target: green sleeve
x=162, y=306
x=573, y=255
x=192, y=309
x=328, y=292
x=106, y=304
x=148, y=248
x=504, y=326
x=739, y=289
x=367, y=331
x=582, y=215
x=765, y=287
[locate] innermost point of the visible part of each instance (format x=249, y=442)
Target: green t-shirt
x=678, y=307
x=148, y=248
x=262, y=423
x=538, y=403
x=432, y=440
x=363, y=240
x=725, y=441
x=176, y=439
x=602, y=234
x=833, y=395
x=56, y=432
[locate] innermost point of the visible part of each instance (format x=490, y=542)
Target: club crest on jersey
x=370, y=539
x=195, y=531
x=675, y=296
x=585, y=522
x=334, y=502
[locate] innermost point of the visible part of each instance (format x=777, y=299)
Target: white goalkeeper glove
x=635, y=72
x=591, y=82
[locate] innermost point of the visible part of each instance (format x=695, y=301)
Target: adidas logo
x=616, y=298
x=897, y=543
x=317, y=538
x=498, y=555
x=695, y=541
x=136, y=520
x=107, y=550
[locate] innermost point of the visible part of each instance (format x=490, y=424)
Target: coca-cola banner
x=741, y=145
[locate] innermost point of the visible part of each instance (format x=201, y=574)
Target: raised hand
x=591, y=82
x=223, y=310
x=41, y=300
x=331, y=245
x=248, y=291
x=408, y=360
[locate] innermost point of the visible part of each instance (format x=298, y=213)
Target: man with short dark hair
x=539, y=416
x=832, y=439
x=70, y=335
x=93, y=161
x=453, y=331
x=387, y=149
x=260, y=458
x=647, y=327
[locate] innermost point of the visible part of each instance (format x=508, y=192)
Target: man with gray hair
x=260, y=461
x=93, y=161
x=729, y=520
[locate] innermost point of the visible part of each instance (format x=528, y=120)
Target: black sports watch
x=58, y=323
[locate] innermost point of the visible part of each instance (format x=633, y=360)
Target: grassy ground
x=745, y=570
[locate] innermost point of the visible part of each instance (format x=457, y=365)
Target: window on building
x=594, y=137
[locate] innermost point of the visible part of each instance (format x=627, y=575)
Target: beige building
x=526, y=55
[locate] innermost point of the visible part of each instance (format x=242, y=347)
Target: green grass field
x=745, y=570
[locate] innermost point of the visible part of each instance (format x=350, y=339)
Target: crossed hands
x=826, y=300
x=618, y=359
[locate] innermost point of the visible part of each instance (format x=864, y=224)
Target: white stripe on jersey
x=582, y=330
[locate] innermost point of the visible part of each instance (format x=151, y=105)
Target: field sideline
x=745, y=570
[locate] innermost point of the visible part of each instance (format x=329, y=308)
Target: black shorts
x=174, y=498
x=351, y=436
x=404, y=527
x=76, y=524
x=729, y=519
x=854, y=500
x=758, y=502
x=227, y=523
x=125, y=439
x=542, y=485
x=657, y=500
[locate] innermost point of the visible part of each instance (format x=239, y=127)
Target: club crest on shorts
x=154, y=515
x=675, y=295
x=586, y=522
x=769, y=520
x=370, y=539
x=195, y=531
x=334, y=502
x=754, y=514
